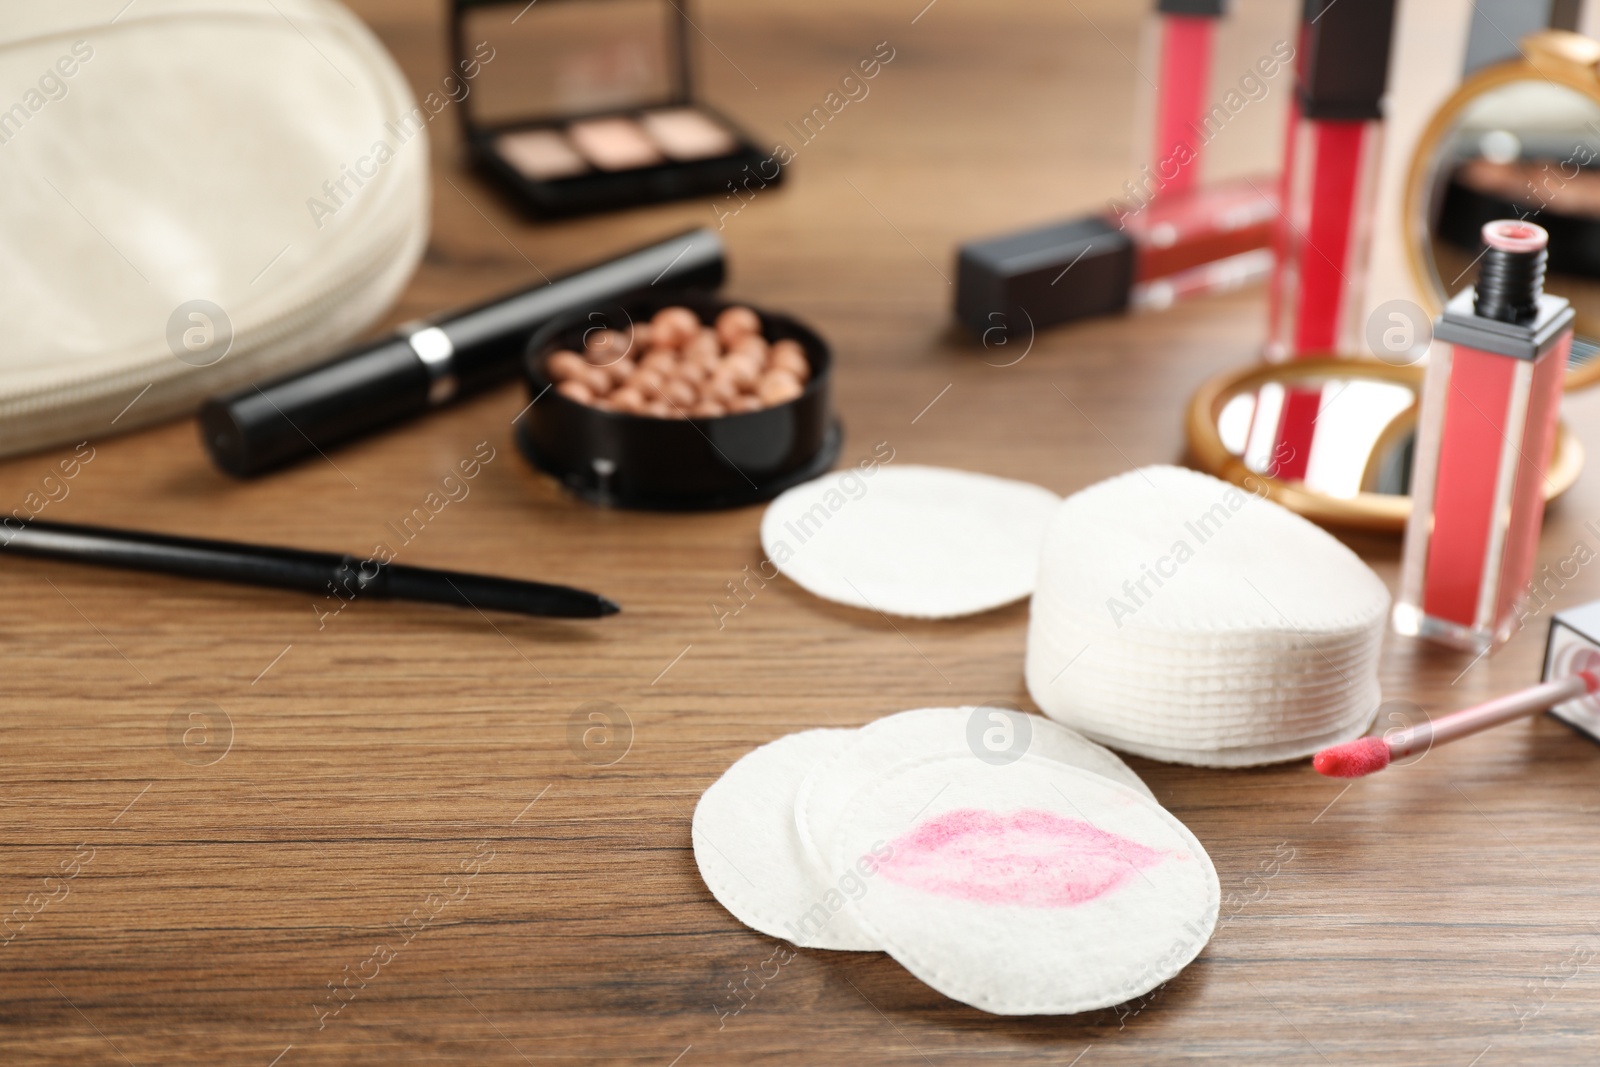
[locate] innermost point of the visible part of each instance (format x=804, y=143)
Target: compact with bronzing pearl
x=679, y=401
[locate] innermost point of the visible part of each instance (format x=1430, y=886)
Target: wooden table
x=252, y=802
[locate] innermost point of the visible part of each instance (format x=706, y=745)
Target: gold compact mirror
x=1517, y=140
x=1245, y=427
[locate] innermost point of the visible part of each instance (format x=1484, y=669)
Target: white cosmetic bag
x=198, y=194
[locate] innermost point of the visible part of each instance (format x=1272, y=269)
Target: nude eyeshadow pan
x=614, y=143
x=685, y=133
x=541, y=154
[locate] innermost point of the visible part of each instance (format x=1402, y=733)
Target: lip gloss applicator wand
x=1359, y=758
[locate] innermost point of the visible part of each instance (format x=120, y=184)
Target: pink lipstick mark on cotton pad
x=1029, y=857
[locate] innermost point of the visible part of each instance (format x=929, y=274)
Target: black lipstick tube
x=262, y=427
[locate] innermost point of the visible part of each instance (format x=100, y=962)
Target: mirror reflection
x=1522, y=149
x=1329, y=437
x=1362, y=440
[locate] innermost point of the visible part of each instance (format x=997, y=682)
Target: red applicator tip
x=1353, y=759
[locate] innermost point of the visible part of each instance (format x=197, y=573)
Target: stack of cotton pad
x=1180, y=618
x=1003, y=859
x=925, y=542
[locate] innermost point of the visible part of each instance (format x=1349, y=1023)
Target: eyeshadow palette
x=587, y=106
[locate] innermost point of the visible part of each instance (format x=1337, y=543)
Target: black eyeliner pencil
x=346, y=577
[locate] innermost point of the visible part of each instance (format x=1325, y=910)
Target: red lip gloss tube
x=1182, y=39
x=1210, y=239
x=1485, y=432
x=1330, y=169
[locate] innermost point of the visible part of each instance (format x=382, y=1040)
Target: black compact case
x=634, y=461
x=584, y=106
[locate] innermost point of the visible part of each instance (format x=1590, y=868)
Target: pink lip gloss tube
x=1183, y=39
x=1485, y=432
x=1330, y=168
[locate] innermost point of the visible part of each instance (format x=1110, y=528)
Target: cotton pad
x=1235, y=565
x=925, y=542
x=1026, y=888
x=982, y=733
x=749, y=852
x=1183, y=619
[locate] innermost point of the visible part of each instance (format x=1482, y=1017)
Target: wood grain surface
x=420, y=778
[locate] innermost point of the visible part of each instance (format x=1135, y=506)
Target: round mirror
x=1517, y=140
x=1254, y=428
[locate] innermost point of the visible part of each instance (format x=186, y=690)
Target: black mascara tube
x=262, y=427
